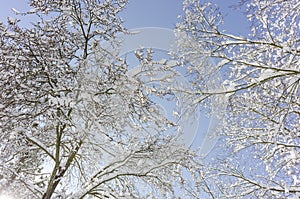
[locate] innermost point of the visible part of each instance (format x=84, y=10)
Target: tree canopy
x=75, y=122
x=261, y=87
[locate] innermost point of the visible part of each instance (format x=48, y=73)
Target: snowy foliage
x=261, y=79
x=74, y=122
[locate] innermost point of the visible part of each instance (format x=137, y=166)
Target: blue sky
x=163, y=13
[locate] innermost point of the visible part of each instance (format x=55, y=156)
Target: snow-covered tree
x=261, y=87
x=74, y=122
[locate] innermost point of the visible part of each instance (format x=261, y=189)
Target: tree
x=261, y=77
x=74, y=122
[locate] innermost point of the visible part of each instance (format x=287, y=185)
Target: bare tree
x=74, y=122
x=260, y=84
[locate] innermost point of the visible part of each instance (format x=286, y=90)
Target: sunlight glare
x=6, y=196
